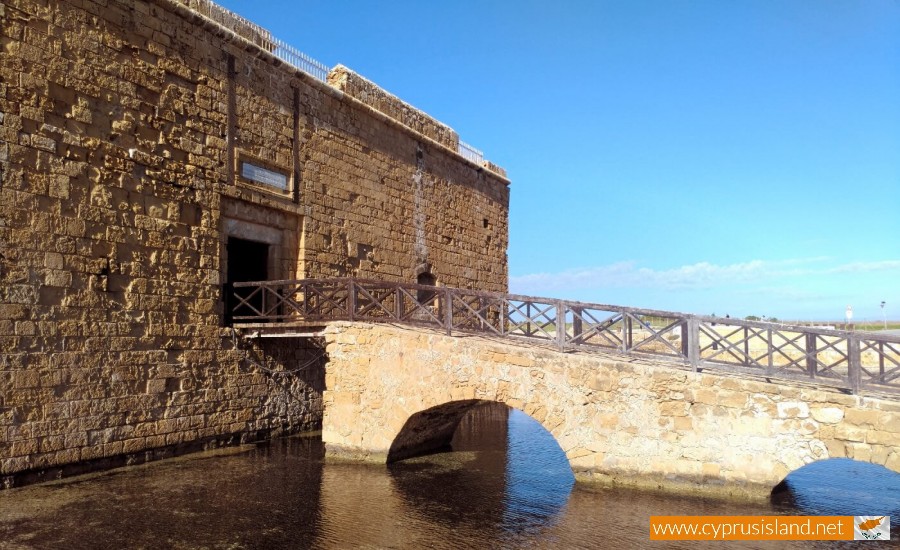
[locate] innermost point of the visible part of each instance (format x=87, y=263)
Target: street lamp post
x=883, y=315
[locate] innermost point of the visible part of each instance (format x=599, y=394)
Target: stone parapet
x=376, y=97
x=240, y=26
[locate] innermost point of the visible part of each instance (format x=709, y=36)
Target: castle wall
x=125, y=128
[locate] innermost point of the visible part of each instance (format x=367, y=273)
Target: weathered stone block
x=847, y=432
x=793, y=409
x=871, y=418
x=883, y=438
x=893, y=461
x=673, y=408
x=827, y=415
x=684, y=423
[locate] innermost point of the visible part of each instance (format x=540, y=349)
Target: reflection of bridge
x=665, y=399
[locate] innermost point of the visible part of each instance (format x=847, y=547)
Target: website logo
x=871, y=527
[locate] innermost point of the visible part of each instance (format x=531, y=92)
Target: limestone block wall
x=619, y=420
x=371, y=94
x=387, y=203
x=125, y=127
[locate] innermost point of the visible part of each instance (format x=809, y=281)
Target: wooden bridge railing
x=845, y=359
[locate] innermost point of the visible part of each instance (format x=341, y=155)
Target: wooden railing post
x=448, y=311
x=630, y=322
x=560, y=324
x=528, y=321
x=626, y=332
x=854, y=370
x=351, y=300
x=306, y=301
x=693, y=343
x=263, y=291
x=811, y=355
x=747, y=346
x=577, y=324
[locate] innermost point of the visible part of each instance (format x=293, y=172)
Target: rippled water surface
x=506, y=485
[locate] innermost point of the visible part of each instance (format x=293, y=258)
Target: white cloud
x=862, y=267
x=702, y=275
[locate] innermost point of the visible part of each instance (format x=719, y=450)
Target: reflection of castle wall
x=362, y=505
x=484, y=427
x=378, y=508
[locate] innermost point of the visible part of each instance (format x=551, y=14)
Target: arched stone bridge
x=661, y=399
x=396, y=391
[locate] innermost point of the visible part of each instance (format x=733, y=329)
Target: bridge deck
x=284, y=329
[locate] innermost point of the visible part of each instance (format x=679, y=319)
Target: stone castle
x=151, y=156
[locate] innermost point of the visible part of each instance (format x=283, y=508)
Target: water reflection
x=539, y=479
x=465, y=493
x=497, y=490
x=176, y=503
x=842, y=487
x=518, y=478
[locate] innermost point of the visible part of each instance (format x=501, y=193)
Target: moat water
x=506, y=485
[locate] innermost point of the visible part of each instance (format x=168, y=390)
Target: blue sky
x=738, y=157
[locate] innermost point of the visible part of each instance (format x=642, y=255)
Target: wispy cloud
x=864, y=267
x=702, y=275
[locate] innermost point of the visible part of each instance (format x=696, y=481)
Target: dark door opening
x=425, y=296
x=247, y=261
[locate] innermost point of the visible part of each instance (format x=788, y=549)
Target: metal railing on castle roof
x=470, y=153
x=294, y=57
x=259, y=36
x=285, y=52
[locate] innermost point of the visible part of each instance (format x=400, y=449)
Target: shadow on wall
x=430, y=431
x=292, y=383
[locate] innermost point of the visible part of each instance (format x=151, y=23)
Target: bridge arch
x=433, y=429
x=812, y=487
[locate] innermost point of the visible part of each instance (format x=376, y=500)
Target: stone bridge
x=394, y=392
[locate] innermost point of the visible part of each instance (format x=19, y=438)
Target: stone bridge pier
x=395, y=392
